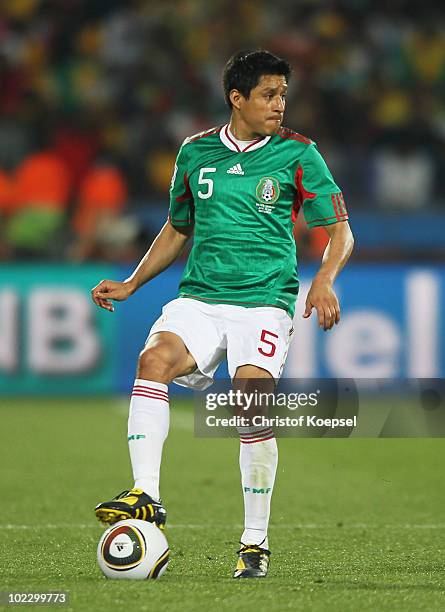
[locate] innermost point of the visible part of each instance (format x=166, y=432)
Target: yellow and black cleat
x=253, y=562
x=132, y=504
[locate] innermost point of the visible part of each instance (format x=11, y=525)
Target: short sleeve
x=182, y=210
x=317, y=192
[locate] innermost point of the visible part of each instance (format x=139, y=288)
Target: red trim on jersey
x=256, y=141
x=334, y=204
x=343, y=205
x=338, y=217
x=339, y=205
x=188, y=192
x=176, y=220
x=232, y=141
x=295, y=208
x=204, y=134
x=302, y=193
x=288, y=134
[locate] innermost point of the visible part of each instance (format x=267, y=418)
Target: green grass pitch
x=356, y=524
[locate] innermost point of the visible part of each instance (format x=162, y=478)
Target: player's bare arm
x=166, y=248
x=321, y=295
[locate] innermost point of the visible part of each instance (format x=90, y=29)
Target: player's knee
x=156, y=363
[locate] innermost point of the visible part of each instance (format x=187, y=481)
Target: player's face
x=263, y=110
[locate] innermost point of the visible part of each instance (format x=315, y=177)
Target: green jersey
x=243, y=205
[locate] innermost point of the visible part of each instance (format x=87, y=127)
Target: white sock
x=258, y=463
x=148, y=424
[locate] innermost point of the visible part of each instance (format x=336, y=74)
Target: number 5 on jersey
x=204, y=195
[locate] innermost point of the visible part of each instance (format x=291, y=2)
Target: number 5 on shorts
x=272, y=347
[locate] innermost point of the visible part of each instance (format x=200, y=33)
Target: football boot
x=132, y=504
x=253, y=562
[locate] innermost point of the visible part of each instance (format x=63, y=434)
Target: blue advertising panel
x=390, y=327
x=54, y=340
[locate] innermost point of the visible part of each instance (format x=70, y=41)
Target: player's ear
x=235, y=98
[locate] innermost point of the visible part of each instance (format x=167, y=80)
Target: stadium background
x=95, y=97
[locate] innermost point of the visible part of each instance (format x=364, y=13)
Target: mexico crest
x=268, y=190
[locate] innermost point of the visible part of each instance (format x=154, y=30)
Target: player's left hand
x=322, y=297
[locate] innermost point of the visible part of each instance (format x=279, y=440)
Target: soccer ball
x=133, y=550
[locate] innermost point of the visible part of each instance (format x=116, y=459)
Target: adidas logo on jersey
x=236, y=169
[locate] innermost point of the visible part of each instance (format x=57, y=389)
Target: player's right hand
x=108, y=290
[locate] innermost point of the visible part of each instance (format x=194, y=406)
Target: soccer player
x=238, y=189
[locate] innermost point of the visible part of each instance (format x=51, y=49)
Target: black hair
x=244, y=70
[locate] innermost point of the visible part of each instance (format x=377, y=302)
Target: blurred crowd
x=97, y=95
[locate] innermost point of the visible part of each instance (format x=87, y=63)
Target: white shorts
x=255, y=336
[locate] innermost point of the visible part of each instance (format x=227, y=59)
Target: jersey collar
x=226, y=139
